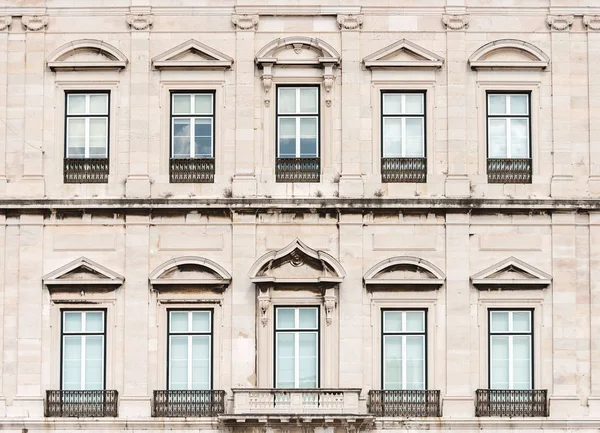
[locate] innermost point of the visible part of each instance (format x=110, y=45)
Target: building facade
x=285, y=216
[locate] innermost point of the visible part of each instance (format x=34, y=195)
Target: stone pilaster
x=2, y=311
x=594, y=361
x=5, y=24
x=10, y=314
x=593, y=55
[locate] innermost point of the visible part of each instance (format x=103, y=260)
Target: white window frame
x=87, y=116
x=508, y=118
x=403, y=116
x=298, y=115
x=192, y=119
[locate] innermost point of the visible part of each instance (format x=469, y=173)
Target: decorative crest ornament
x=245, y=22
x=140, y=21
x=297, y=259
x=560, y=22
x=350, y=22
x=455, y=22
x=34, y=23
x=591, y=22
x=5, y=22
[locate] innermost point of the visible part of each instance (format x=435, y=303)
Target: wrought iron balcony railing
x=504, y=402
x=405, y=403
x=193, y=403
x=192, y=170
x=297, y=169
x=509, y=170
x=99, y=403
x=404, y=170
x=86, y=170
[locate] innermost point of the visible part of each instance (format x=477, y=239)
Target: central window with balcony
x=298, y=134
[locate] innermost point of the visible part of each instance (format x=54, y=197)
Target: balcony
x=405, y=403
x=509, y=170
x=101, y=403
x=404, y=170
x=500, y=402
x=192, y=170
x=297, y=169
x=194, y=403
x=86, y=170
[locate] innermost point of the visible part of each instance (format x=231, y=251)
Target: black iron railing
x=99, y=403
x=192, y=170
x=86, y=170
x=509, y=170
x=504, y=402
x=297, y=169
x=405, y=403
x=167, y=403
x=404, y=170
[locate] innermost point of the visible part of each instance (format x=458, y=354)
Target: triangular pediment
x=509, y=54
x=403, y=54
x=190, y=271
x=87, y=54
x=404, y=272
x=192, y=55
x=82, y=272
x=511, y=273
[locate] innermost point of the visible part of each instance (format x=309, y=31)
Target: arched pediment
x=82, y=273
x=404, y=272
x=298, y=50
x=403, y=54
x=509, y=54
x=192, y=55
x=298, y=264
x=190, y=271
x=86, y=54
x=511, y=273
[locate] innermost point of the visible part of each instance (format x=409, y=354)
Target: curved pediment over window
x=404, y=272
x=190, y=271
x=86, y=54
x=192, y=55
x=509, y=54
x=82, y=274
x=297, y=264
x=298, y=51
x=511, y=273
x=403, y=54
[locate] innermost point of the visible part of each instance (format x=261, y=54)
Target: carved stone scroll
x=245, y=22
x=140, y=21
x=350, y=22
x=5, y=22
x=560, y=22
x=34, y=23
x=591, y=22
x=455, y=22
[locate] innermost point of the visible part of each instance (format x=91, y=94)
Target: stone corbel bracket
x=140, y=21
x=328, y=80
x=329, y=303
x=591, y=22
x=455, y=22
x=267, y=81
x=264, y=304
x=560, y=22
x=34, y=23
x=5, y=22
x=245, y=22
x=350, y=22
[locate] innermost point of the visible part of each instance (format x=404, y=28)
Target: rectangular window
x=298, y=122
x=87, y=121
x=296, y=347
x=403, y=121
x=83, y=349
x=190, y=350
x=508, y=121
x=510, y=351
x=404, y=338
x=192, y=125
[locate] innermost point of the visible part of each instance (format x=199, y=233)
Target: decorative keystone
x=34, y=23
x=591, y=22
x=560, y=22
x=140, y=21
x=245, y=22
x=350, y=22
x=455, y=22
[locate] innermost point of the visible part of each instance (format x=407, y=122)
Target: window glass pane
x=181, y=127
x=181, y=137
x=201, y=321
x=497, y=104
x=415, y=321
x=392, y=137
x=200, y=362
x=182, y=104
x=499, y=321
x=93, y=362
x=286, y=318
x=76, y=128
x=94, y=321
x=413, y=103
x=414, y=137
x=99, y=104
x=521, y=362
x=308, y=100
x=308, y=318
x=519, y=138
x=521, y=321
x=178, y=362
x=519, y=104
x=392, y=103
x=497, y=138
x=72, y=321
x=307, y=367
x=308, y=138
x=286, y=360
x=179, y=321
x=203, y=104
x=203, y=139
x=392, y=321
x=98, y=127
x=287, y=100
x=392, y=361
x=76, y=104
x=499, y=357
x=72, y=363
x=415, y=362
x=287, y=137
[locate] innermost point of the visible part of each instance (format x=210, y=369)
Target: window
x=511, y=340
x=403, y=136
x=508, y=137
x=83, y=350
x=297, y=347
x=298, y=134
x=404, y=349
x=190, y=350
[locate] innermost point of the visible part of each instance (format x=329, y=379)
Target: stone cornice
x=34, y=23
x=591, y=22
x=245, y=22
x=560, y=22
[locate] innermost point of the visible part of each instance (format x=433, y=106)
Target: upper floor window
x=296, y=347
x=192, y=136
x=509, y=137
x=403, y=137
x=298, y=134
